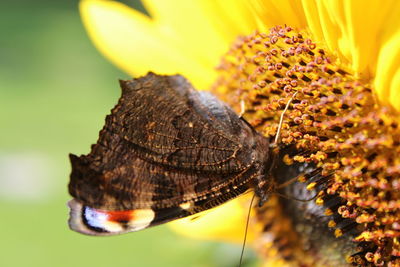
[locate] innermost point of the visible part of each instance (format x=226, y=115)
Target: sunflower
x=331, y=68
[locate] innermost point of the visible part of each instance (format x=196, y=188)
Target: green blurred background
x=55, y=90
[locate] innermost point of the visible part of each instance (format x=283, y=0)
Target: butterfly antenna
x=247, y=227
x=289, y=182
x=295, y=198
x=278, y=133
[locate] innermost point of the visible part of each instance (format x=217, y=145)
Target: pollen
x=334, y=122
x=311, y=186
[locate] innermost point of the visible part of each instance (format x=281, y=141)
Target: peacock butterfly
x=166, y=151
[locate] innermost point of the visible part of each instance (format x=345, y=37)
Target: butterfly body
x=166, y=151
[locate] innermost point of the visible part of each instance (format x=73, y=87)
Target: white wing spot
x=185, y=206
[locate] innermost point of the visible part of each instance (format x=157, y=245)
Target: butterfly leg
x=265, y=186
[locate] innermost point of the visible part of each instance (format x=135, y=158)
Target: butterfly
x=166, y=151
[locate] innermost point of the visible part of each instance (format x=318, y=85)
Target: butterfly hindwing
x=90, y=221
x=166, y=152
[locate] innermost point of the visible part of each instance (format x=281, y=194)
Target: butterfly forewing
x=173, y=125
x=166, y=151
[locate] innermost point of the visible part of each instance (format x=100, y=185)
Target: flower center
x=333, y=122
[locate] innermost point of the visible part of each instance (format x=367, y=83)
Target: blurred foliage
x=55, y=90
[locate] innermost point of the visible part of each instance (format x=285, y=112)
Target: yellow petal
x=394, y=96
x=365, y=27
x=224, y=223
x=387, y=81
x=272, y=13
x=137, y=45
x=320, y=19
x=208, y=26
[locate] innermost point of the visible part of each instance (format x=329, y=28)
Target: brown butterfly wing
x=167, y=147
x=175, y=125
